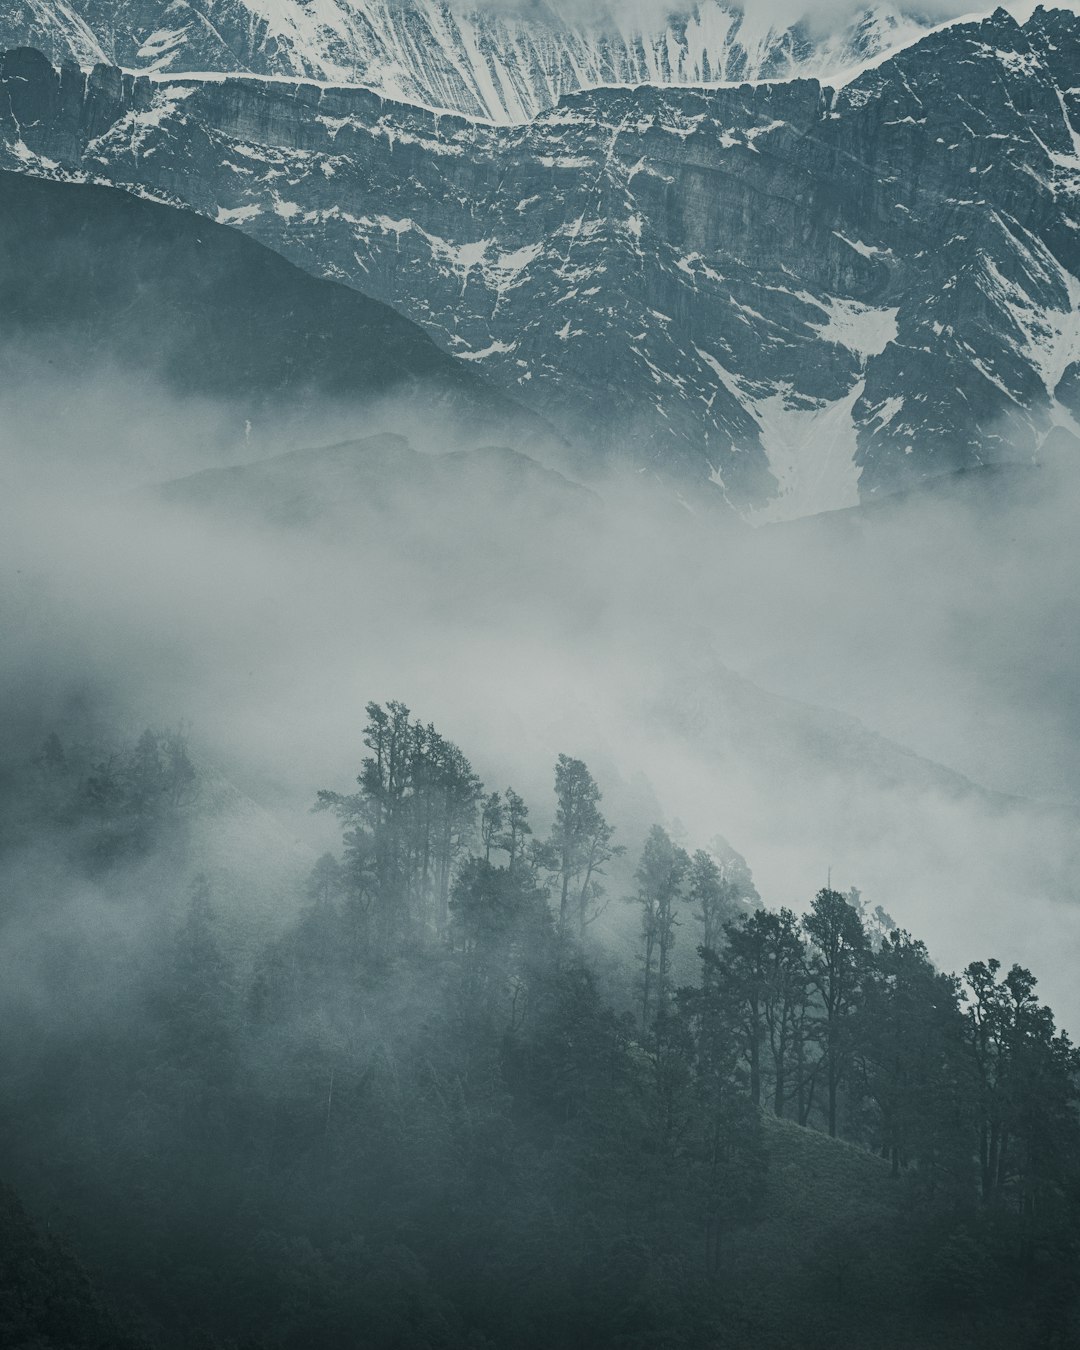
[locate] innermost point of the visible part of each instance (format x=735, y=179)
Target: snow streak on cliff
x=505, y=63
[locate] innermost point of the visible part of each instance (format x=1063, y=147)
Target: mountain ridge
x=785, y=296
x=502, y=63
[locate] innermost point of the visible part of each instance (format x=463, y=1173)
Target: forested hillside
x=430, y=1106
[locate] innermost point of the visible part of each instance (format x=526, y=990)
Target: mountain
x=382, y=480
x=504, y=62
x=94, y=279
x=800, y=295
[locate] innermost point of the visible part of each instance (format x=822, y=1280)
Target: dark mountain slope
x=93, y=278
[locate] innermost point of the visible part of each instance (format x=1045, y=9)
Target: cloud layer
x=528, y=617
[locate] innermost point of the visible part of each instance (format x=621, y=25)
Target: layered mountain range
x=504, y=61
x=790, y=294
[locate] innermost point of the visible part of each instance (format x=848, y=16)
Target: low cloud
x=708, y=675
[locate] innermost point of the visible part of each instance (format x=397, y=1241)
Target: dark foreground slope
x=331, y=1153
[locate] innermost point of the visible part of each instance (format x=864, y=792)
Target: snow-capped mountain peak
x=789, y=294
x=502, y=63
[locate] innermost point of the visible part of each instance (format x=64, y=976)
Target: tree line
x=492, y=1085
x=812, y=1018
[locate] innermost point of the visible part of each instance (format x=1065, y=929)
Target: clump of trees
x=432, y=1109
x=104, y=804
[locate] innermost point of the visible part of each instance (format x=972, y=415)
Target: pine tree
x=581, y=845
x=660, y=876
x=838, y=966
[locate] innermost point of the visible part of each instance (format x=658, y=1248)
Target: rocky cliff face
x=786, y=293
x=502, y=62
